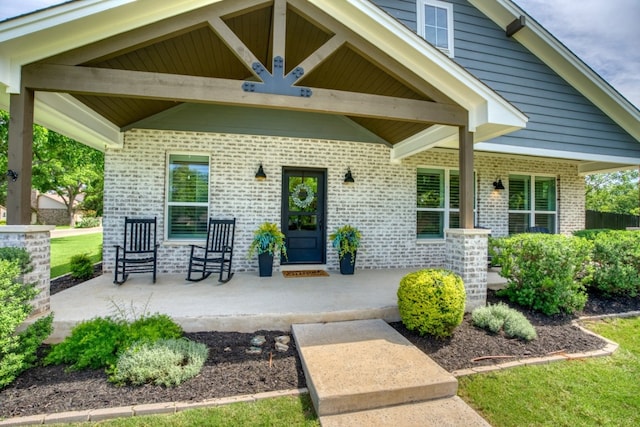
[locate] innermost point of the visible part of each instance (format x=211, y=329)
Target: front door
x=303, y=215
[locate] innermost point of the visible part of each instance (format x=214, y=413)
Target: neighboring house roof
x=53, y=201
x=72, y=25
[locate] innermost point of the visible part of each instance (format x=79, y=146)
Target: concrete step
x=365, y=365
x=447, y=412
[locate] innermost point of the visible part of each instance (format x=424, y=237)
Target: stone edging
x=607, y=350
x=174, y=407
x=139, y=410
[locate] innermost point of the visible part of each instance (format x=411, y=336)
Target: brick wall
x=36, y=241
x=381, y=203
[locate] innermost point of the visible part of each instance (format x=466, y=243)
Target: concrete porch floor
x=247, y=303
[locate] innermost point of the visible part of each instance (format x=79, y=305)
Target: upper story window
x=187, y=196
x=435, y=24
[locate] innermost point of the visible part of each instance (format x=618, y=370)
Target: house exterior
x=430, y=105
x=51, y=208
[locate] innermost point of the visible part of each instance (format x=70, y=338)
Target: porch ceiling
x=221, y=47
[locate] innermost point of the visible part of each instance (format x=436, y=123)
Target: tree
x=615, y=192
x=61, y=165
x=66, y=167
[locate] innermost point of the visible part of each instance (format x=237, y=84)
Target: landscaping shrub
x=432, y=302
x=88, y=222
x=616, y=257
x=81, y=266
x=96, y=343
x=495, y=318
x=92, y=344
x=590, y=234
x=18, y=255
x=152, y=328
x=165, y=362
x=17, y=350
x=546, y=272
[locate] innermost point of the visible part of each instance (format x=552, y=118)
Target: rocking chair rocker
x=217, y=255
x=139, y=253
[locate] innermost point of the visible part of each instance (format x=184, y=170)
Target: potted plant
x=267, y=240
x=346, y=240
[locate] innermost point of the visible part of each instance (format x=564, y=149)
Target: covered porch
x=247, y=303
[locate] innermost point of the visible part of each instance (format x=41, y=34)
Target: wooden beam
x=146, y=85
x=465, y=152
x=279, y=28
x=153, y=33
x=234, y=43
x=20, y=157
x=369, y=51
x=322, y=53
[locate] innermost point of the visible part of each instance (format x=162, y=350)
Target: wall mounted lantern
x=497, y=184
x=260, y=175
x=348, y=178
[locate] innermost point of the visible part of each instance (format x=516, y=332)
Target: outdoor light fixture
x=348, y=178
x=13, y=175
x=260, y=175
x=497, y=184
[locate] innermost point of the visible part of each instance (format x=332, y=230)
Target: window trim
x=420, y=22
x=532, y=211
x=166, y=196
x=447, y=201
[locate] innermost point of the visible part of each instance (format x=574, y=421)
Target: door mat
x=305, y=273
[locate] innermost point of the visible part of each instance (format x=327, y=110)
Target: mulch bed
x=231, y=371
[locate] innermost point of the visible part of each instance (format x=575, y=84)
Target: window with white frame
x=435, y=24
x=532, y=203
x=438, y=202
x=187, y=196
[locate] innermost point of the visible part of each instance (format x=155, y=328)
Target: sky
x=605, y=34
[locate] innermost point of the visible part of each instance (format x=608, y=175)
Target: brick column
x=36, y=240
x=466, y=255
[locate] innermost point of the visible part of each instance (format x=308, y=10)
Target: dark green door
x=303, y=215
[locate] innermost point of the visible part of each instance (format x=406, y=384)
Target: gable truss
x=147, y=74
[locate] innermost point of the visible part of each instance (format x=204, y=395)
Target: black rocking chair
x=217, y=255
x=139, y=253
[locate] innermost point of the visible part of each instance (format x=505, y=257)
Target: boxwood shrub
x=546, y=272
x=616, y=258
x=431, y=301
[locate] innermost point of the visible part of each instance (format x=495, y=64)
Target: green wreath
x=299, y=201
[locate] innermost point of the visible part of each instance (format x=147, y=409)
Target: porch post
x=465, y=153
x=466, y=247
x=20, y=157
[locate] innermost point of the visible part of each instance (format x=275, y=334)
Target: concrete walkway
x=364, y=373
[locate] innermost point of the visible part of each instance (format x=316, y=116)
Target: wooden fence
x=610, y=220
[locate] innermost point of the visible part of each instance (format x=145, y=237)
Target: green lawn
x=589, y=392
x=282, y=411
x=63, y=248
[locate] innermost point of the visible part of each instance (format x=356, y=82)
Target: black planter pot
x=346, y=266
x=265, y=263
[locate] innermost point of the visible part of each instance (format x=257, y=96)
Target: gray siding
x=560, y=118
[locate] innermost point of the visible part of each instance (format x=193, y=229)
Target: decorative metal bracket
x=277, y=83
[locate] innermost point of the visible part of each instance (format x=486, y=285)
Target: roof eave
x=396, y=40
x=564, y=62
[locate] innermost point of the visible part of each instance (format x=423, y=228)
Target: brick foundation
x=36, y=240
x=467, y=257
